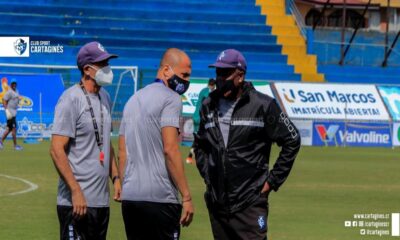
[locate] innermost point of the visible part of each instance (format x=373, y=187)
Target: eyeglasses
x=225, y=72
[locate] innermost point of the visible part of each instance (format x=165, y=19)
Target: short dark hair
x=211, y=81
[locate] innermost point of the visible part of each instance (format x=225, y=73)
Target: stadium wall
x=362, y=115
x=325, y=114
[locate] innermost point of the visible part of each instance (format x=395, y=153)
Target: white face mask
x=104, y=76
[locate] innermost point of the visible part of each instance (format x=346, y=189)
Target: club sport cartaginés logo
x=20, y=46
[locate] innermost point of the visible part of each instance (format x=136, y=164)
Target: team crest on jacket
x=176, y=235
x=261, y=222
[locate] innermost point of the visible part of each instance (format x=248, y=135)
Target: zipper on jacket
x=226, y=189
x=224, y=151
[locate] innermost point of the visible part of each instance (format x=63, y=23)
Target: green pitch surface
x=326, y=188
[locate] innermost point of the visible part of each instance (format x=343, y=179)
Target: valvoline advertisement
x=327, y=133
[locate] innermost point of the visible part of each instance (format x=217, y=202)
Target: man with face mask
x=81, y=149
x=10, y=103
x=237, y=127
x=151, y=165
x=196, y=115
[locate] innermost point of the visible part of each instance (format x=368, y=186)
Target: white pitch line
x=32, y=186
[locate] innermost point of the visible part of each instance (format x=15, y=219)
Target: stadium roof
x=350, y=2
x=382, y=3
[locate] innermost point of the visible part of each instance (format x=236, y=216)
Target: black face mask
x=178, y=84
x=224, y=86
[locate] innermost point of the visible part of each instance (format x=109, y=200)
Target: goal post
x=125, y=84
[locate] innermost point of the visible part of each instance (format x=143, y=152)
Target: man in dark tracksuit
x=237, y=128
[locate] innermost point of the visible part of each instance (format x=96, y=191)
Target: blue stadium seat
x=363, y=61
x=140, y=31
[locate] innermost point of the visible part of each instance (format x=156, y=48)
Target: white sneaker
x=18, y=148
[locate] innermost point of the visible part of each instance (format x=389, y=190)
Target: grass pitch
x=327, y=187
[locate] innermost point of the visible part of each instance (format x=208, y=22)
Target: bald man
x=151, y=165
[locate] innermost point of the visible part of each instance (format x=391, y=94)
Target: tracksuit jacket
x=235, y=174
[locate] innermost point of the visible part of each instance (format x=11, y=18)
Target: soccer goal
x=35, y=122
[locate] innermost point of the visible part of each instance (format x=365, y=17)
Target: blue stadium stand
x=363, y=61
x=140, y=31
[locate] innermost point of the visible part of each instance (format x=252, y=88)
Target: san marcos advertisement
x=332, y=101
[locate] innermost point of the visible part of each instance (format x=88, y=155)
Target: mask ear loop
x=241, y=80
x=232, y=76
x=173, y=71
x=93, y=67
x=170, y=68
